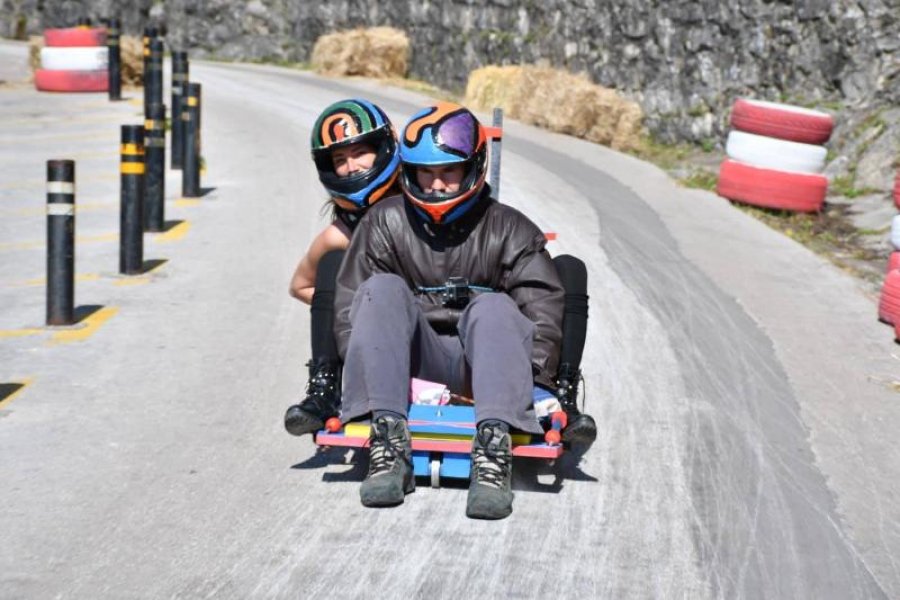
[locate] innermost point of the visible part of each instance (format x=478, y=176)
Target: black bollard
x=190, y=114
x=84, y=22
x=115, y=59
x=150, y=34
x=495, y=154
x=131, y=230
x=180, y=68
x=154, y=82
x=155, y=183
x=60, y=242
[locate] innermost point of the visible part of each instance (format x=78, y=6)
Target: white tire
x=895, y=232
x=75, y=59
x=771, y=153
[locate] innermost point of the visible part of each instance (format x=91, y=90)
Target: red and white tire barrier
x=802, y=192
x=781, y=121
x=893, y=262
x=771, y=153
x=75, y=36
x=889, y=306
x=74, y=59
x=94, y=58
x=46, y=80
x=897, y=190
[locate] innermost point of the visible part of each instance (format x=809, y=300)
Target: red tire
x=897, y=190
x=71, y=81
x=75, y=36
x=781, y=121
x=889, y=305
x=893, y=262
x=801, y=192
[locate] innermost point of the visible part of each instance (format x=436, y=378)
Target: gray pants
x=391, y=341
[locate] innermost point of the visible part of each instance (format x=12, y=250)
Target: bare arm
x=303, y=283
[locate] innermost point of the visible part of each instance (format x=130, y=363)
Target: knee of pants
x=490, y=306
x=382, y=290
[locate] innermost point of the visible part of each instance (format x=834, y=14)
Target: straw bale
x=559, y=101
x=35, y=43
x=132, y=53
x=379, y=52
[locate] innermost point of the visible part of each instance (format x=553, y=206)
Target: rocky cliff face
x=684, y=61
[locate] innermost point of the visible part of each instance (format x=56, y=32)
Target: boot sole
x=582, y=430
x=302, y=423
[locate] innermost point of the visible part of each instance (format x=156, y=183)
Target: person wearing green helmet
x=354, y=148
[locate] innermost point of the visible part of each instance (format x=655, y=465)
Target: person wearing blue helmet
x=446, y=284
x=354, y=148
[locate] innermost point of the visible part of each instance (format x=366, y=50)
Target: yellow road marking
x=43, y=280
x=90, y=327
x=186, y=202
x=136, y=280
x=79, y=239
x=176, y=233
x=12, y=390
x=40, y=212
x=11, y=333
x=35, y=139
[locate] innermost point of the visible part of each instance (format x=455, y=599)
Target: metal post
x=60, y=242
x=155, y=190
x=84, y=22
x=155, y=81
x=131, y=231
x=115, y=59
x=150, y=34
x=180, y=69
x=495, y=154
x=190, y=175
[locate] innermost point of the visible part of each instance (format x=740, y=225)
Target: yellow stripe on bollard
x=192, y=101
x=132, y=168
x=132, y=149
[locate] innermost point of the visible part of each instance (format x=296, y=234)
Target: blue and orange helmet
x=444, y=134
x=349, y=122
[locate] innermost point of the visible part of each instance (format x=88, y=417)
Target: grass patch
x=701, y=179
x=844, y=186
x=664, y=156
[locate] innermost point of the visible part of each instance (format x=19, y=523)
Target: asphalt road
x=747, y=428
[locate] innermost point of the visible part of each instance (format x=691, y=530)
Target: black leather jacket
x=493, y=246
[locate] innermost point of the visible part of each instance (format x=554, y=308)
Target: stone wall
x=683, y=61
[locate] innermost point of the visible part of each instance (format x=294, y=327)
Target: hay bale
x=35, y=43
x=558, y=101
x=380, y=52
x=132, y=53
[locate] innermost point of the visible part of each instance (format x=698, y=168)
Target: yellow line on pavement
x=90, y=326
x=11, y=333
x=79, y=239
x=42, y=210
x=136, y=280
x=8, y=391
x=43, y=280
x=186, y=202
x=176, y=233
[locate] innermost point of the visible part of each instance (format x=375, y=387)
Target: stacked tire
x=73, y=59
x=889, y=305
x=776, y=156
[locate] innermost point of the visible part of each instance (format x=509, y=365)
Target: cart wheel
x=435, y=473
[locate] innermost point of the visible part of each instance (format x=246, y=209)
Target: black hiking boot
x=390, y=475
x=490, y=482
x=323, y=397
x=581, y=428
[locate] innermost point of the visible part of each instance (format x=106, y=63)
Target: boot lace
x=490, y=460
x=386, y=446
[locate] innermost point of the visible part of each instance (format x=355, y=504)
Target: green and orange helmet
x=355, y=121
x=443, y=134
